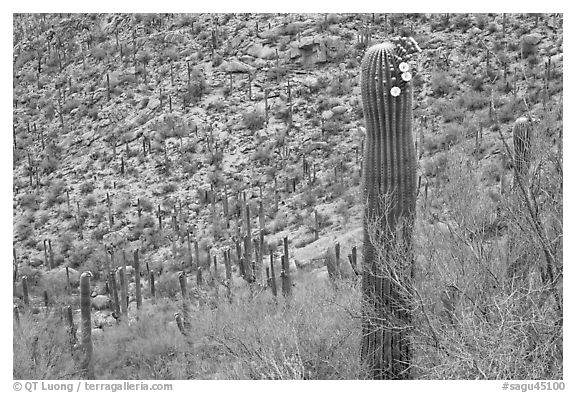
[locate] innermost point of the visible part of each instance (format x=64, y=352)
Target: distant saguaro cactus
x=390, y=201
x=16, y=316
x=137, y=280
x=522, y=137
x=178, y=318
x=123, y=293
x=86, y=317
x=71, y=327
x=25, y=296
x=185, y=303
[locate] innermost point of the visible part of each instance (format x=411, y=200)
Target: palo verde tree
x=390, y=201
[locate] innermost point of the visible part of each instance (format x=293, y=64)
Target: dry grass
x=254, y=337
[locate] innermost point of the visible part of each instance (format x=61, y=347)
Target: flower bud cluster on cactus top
x=401, y=62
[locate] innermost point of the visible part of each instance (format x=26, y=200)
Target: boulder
x=116, y=239
x=235, y=66
x=532, y=39
x=97, y=334
x=556, y=59
x=143, y=103
x=292, y=28
x=100, y=302
x=261, y=52
x=474, y=31
x=99, y=289
x=327, y=115
x=311, y=81
x=36, y=260
x=339, y=109
x=237, y=40
x=307, y=43
x=60, y=275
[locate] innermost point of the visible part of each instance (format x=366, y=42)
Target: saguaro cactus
x=71, y=327
x=123, y=295
x=522, y=137
x=25, y=290
x=16, y=316
x=185, y=305
x=390, y=200
x=137, y=280
x=86, y=317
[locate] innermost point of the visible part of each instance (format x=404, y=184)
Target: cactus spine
x=522, y=137
x=86, y=317
x=390, y=201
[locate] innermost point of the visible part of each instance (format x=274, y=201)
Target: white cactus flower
x=395, y=91
x=404, y=67
x=406, y=76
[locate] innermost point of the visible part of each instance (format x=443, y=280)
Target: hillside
x=180, y=137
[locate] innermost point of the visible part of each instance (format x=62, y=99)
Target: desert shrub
x=462, y=21
x=217, y=60
x=23, y=231
x=167, y=284
x=262, y=155
x=449, y=110
x=481, y=20
x=321, y=333
x=80, y=253
x=55, y=193
x=304, y=240
x=198, y=85
x=473, y=100
x=170, y=53
x=86, y=187
x=145, y=222
x=441, y=22
x=254, y=119
x=189, y=167
x=216, y=104
x=492, y=27
x=42, y=349
x=146, y=204
x=184, y=20
x=436, y=165
x=333, y=125
x=491, y=172
x=98, y=233
x=527, y=47
x=339, y=85
x=167, y=188
x=70, y=104
x=511, y=110
x=49, y=164
x=309, y=199
x=29, y=201
x=533, y=60
x=279, y=223
x=441, y=83
x=98, y=53
x=89, y=201
x=485, y=285
x=42, y=217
